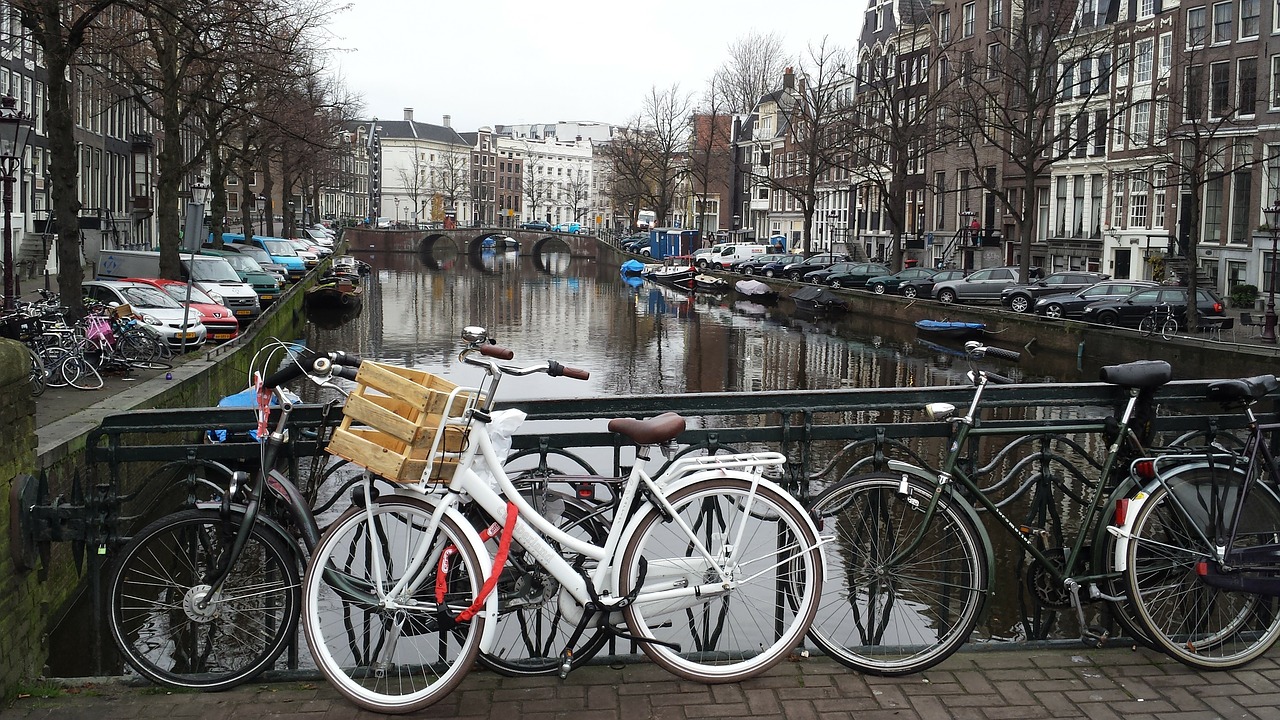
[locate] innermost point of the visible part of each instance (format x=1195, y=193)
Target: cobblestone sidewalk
x=976, y=685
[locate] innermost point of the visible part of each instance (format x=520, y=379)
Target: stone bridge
x=470, y=241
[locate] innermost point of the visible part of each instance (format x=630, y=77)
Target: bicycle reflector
x=1145, y=469
x=1122, y=509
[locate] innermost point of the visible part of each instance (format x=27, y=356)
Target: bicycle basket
x=402, y=424
x=98, y=327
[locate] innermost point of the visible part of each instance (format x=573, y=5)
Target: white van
x=214, y=275
x=737, y=252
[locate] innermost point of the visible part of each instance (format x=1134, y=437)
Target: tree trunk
x=63, y=166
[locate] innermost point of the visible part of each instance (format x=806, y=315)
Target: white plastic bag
x=502, y=427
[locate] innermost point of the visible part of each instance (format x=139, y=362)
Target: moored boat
x=677, y=271
x=756, y=291
x=950, y=328
x=632, y=267
x=335, y=291
x=710, y=283
x=818, y=299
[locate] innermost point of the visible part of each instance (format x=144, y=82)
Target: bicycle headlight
x=939, y=410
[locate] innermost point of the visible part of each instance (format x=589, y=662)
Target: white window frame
x=1257, y=19
x=1228, y=33
x=1164, y=62
x=1143, y=60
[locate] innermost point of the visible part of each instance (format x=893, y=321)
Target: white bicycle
x=715, y=570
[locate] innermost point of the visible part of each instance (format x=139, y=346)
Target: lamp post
x=1269, y=318
x=194, y=228
x=15, y=129
x=397, y=209
x=260, y=202
x=290, y=226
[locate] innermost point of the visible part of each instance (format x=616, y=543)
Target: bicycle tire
x=896, y=618
x=1202, y=626
x=1147, y=326
x=1169, y=329
x=531, y=631
x=37, y=376
x=715, y=629
x=80, y=373
x=347, y=630
x=157, y=579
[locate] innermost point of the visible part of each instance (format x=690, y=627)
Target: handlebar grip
x=998, y=379
x=496, y=351
x=345, y=358
x=555, y=369
x=347, y=372
x=1003, y=354
x=294, y=368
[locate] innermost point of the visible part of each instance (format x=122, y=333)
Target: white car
x=383, y=223
x=154, y=307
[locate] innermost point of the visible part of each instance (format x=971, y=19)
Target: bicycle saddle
x=1137, y=374
x=652, y=431
x=1251, y=388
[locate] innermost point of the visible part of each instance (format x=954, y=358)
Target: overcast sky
x=503, y=62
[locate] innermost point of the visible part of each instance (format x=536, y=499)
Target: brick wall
x=21, y=628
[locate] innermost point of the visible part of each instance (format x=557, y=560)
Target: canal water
x=634, y=337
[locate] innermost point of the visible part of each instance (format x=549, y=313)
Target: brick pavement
x=1058, y=682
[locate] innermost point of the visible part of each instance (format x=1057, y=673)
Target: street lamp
x=15, y=130
x=290, y=226
x=192, y=234
x=397, y=209
x=261, y=203
x=1269, y=318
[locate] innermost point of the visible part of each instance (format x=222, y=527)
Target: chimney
x=408, y=114
x=448, y=121
x=788, y=80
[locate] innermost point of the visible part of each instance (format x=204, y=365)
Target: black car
x=1130, y=311
x=923, y=287
x=821, y=261
x=820, y=276
x=752, y=265
x=1022, y=298
x=851, y=275
x=892, y=283
x=775, y=267
x=535, y=225
x=1071, y=305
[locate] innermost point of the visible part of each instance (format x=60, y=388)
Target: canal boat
x=339, y=287
x=818, y=300
x=677, y=271
x=756, y=291
x=952, y=329
x=632, y=267
x=710, y=283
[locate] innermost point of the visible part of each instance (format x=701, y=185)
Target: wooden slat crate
x=402, y=411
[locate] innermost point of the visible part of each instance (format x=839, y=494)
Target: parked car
x=882, y=284
x=820, y=261
x=535, y=225
x=266, y=284
x=153, y=307
x=848, y=275
x=1071, y=305
x=568, y=227
x=1129, y=311
x=730, y=253
x=258, y=255
x=382, y=223
x=1022, y=298
x=218, y=319
x=978, y=286
x=779, y=264
x=702, y=257
x=923, y=287
x=751, y=266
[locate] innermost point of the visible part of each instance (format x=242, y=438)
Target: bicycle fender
x=266, y=521
x=718, y=474
x=490, y=612
x=905, y=468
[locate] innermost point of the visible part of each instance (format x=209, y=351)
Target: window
x=1099, y=132
x=1212, y=210
x=1141, y=134
x=1246, y=86
x=1157, y=204
x=993, y=61
x=1122, y=66
x=1195, y=27
x=1193, y=107
x=1104, y=72
x=939, y=200
x=1118, y=128
x=1222, y=18
x=1161, y=130
x=969, y=12
x=1138, y=199
x=1219, y=89
x=1068, y=80
x=1241, y=189
x=1117, y=201
x=1088, y=12
x=1142, y=66
x=996, y=14
x=944, y=25
x=1165, y=55
x=1248, y=19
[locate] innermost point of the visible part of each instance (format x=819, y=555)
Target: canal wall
x=34, y=599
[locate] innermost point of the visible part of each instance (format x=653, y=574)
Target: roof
x=414, y=130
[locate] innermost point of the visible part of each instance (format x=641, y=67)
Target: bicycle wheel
x=1169, y=329
x=37, y=376
x=79, y=373
x=1147, y=326
x=735, y=630
x=140, y=349
x=391, y=654
x=531, y=631
x=884, y=612
x=157, y=582
x=1200, y=625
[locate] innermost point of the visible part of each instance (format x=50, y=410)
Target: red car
x=218, y=319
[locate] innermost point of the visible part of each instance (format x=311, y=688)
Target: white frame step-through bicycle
x=712, y=569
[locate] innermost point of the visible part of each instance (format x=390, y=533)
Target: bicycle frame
x=945, y=480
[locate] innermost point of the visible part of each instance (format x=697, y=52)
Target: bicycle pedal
x=1095, y=635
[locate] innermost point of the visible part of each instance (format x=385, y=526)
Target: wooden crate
x=392, y=419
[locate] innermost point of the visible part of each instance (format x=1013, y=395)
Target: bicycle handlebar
x=495, y=351
x=977, y=350
x=338, y=363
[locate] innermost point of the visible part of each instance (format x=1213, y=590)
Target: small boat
x=710, y=283
x=675, y=271
x=818, y=299
x=951, y=328
x=756, y=291
x=632, y=267
x=335, y=291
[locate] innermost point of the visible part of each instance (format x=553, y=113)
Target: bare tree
x=577, y=197
x=451, y=175
x=415, y=179
x=755, y=64
x=710, y=161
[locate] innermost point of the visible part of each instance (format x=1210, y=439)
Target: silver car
x=978, y=286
